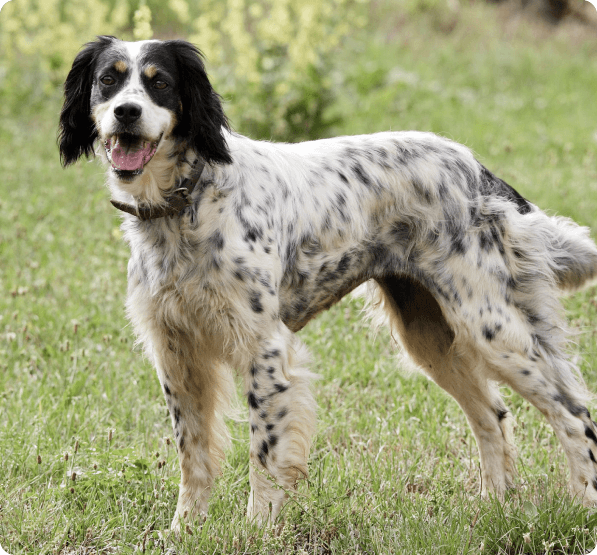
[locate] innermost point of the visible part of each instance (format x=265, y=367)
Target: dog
x=236, y=244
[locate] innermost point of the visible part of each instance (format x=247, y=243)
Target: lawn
x=87, y=464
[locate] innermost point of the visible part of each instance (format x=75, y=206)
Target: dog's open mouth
x=129, y=154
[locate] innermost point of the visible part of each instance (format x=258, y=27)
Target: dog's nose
x=127, y=113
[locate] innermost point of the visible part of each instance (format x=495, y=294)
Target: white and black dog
x=236, y=244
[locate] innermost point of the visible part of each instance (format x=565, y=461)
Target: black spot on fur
x=491, y=185
x=485, y=241
x=253, y=400
x=381, y=152
x=573, y=408
x=592, y=457
x=595, y=483
x=590, y=434
x=252, y=235
x=272, y=354
x=488, y=333
x=501, y=414
x=361, y=175
x=458, y=245
x=273, y=440
x=282, y=414
x=263, y=453
x=167, y=389
x=497, y=238
x=280, y=388
x=181, y=443
x=269, y=427
x=255, y=300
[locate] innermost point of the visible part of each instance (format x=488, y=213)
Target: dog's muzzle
x=129, y=153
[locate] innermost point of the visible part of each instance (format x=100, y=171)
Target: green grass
x=394, y=468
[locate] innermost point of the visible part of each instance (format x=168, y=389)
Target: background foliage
x=269, y=59
x=87, y=466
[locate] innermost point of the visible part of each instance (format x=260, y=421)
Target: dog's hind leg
x=417, y=318
x=490, y=420
x=282, y=418
x=547, y=381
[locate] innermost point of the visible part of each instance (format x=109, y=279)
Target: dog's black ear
x=203, y=120
x=77, y=131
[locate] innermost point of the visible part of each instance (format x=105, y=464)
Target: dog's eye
x=160, y=85
x=107, y=80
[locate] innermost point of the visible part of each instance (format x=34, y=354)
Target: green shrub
x=272, y=61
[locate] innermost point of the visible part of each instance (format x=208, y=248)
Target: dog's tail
x=574, y=258
x=571, y=253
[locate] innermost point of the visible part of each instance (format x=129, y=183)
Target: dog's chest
x=168, y=256
x=192, y=277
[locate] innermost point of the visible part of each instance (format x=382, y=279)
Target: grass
x=87, y=466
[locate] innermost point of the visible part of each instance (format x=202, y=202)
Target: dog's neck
x=164, y=188
x=174, y=203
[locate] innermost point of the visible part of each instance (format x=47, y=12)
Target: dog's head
x=142, y=100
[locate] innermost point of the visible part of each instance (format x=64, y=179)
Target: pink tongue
x=122, y=159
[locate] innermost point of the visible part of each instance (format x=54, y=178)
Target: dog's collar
x=175, y=202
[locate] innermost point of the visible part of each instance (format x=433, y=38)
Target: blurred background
x=295, y=70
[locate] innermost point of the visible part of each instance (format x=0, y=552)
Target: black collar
x=175, y=203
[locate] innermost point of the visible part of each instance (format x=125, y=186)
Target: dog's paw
x=186, y=522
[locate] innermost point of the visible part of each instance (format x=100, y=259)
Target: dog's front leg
x=282, y=419
x=197, y=387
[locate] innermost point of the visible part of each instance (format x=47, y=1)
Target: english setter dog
x=236, y=244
